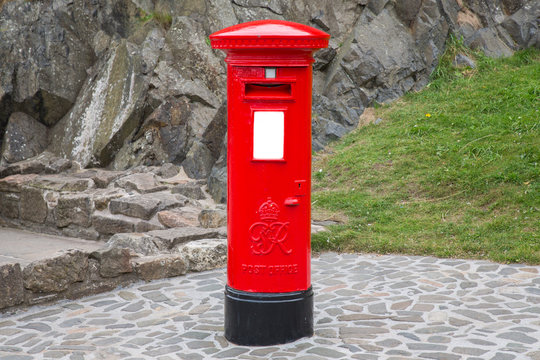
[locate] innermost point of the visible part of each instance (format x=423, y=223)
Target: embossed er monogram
x=269, y=233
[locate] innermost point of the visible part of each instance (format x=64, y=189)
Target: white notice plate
x=268, y=135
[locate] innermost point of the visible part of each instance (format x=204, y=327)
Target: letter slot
x=268, y=91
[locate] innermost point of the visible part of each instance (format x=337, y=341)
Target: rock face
x=11, y=285
x=125, y=83
x=150, y=268
x=55, y=275
x=111, y=107
x=113, y=261
x=45, y=55
x=213, y=218
x=33, y=205
x=521, y=25
x=73, y=209
x=205, y=254
x=24, y=138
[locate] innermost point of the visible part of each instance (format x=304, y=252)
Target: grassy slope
x=452, y=171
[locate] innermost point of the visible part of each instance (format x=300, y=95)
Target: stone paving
x=366, y=307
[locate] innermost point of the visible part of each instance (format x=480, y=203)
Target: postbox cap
x=269, y=34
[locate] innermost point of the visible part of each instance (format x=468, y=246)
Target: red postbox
x=268, y=297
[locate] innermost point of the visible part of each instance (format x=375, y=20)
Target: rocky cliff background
x=123, y=83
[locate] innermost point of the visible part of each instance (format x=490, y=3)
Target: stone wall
x=74, y=273
x=156, y=222
x=119, y=84
x=52, y=195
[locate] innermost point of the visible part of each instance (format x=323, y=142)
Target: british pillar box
x=268, y=297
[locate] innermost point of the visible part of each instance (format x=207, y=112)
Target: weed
x=164, y=19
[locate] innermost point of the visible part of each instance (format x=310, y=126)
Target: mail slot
x=268, y=296
x=256, y=91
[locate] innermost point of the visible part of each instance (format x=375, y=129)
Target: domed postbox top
x=269, y=34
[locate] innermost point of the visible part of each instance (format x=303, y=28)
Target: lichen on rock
x=109, y=109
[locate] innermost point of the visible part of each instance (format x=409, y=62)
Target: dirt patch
x=466, y=16
x=367, y=117
x=318, y=214
x=382, y=166
x=416, y=194
x=321, y=158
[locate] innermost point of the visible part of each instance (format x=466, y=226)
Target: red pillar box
x=268, y=297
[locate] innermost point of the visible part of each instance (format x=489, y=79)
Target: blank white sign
x=270, y=73
x=268, y=135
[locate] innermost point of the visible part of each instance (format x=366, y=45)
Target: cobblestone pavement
x=366, y=307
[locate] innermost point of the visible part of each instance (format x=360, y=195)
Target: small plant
x=446, y=70
x=164, y=19
x=145, y=17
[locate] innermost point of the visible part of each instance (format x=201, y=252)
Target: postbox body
x=269, y=171
x=269, y=81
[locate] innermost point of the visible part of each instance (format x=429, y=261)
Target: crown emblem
x=269, y=233
x=269, y=210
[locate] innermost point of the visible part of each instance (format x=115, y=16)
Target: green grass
x=451, y=171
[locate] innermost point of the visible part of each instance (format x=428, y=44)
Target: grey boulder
x=24, y=138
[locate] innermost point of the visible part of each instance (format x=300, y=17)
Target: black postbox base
x=267, y=318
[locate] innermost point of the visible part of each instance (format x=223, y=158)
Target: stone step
x=24, y=247
x=97, y=203
x=180, y=217
x=191, y=190
x=170, y=238
x=145, y=206
x=141, y=183
x=36, y=268
x=108, y=224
